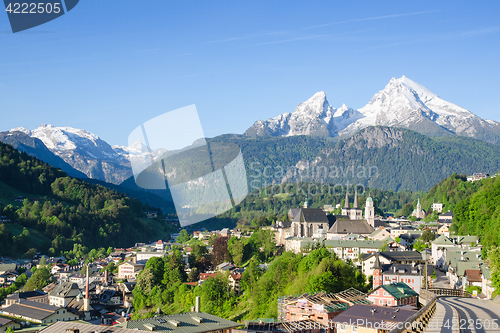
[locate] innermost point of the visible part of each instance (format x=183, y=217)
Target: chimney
x=106, y=277
x=197, y=304
x=86, y=301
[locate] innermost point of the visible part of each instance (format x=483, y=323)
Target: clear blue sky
x=109, y=65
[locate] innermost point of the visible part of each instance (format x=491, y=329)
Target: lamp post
x=426, y=255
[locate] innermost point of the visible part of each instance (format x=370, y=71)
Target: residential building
x=486, y=285
x=35, y=296
x=390, y=257
x=234, y=279
x=345, y=249
x=38, y=312
x=394, y=294
x=64, y=293
x=437, y=207
x=129, y=270
x=381, y=234
x=370, y=319
x=6, y=323
x=412, y=275
x=160, y=246
x=446, y=217
x=145, y=256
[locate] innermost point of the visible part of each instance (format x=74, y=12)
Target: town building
x=38, y=312
x=64, y=293
x=35, y=296
x=370, y=319
x=6, y=323
x=129, y=269
x=394, y=294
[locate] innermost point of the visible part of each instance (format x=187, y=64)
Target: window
x=342, y=327
x=389, y=302
x=380, y=301
x=354, y=329
x=385, y=293
x=57, y=311
x=64, y=311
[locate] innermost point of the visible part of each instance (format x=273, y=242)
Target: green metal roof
x=399, y=290
x=339, y=243
x=190, y=322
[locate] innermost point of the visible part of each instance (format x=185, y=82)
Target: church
x=314, y=222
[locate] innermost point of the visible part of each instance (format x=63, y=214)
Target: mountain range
x=315, y=134
x=403, y=103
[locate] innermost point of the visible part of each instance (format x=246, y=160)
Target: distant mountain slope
x=36, y=147
x=378, y=157
x=403, y=103
x=67, y=211
x=84, y=151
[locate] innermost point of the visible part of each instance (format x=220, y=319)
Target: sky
x=109, y=66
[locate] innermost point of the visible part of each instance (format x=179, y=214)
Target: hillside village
x=384, y=249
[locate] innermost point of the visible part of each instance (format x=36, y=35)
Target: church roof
x=356, y=203
x=377, y=265
x=311, y=215
x=351, y=227
x=346, y=204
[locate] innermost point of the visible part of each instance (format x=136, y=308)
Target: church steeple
x=356, y=204
x=346, y=204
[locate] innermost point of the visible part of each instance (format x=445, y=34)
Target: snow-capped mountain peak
x=402, y=103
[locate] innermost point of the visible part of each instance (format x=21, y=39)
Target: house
x=38, y=312
x=160, y=246
x=473, y=277
x=63, y=293
x=370, y=319
x=446, y=217
x=437, y=207
x=409, y=238
x=319, y=307
x=381, y=234
x=234, y=279
x=412, y=275
x=444, y=229
x=394, y=294
x=8, y=277
x=281, y=231
x=344, y=249
x=224, y=267
x=151, y=214
x=205, y=276
x=4, y=268
x=439, y=245
x=129, y=269
x=6, y=323
x=477, y=176
x=390, y=257
x=79, y=279
x=145, y=256
x=225, y=233
x=35, y=296
x=486, y=285
x=192, y=322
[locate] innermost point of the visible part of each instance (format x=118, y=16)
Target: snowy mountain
x=84, y=151
x=402, y=103
x=314, y=117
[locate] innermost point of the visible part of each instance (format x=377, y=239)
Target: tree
x=220, y=252
x=39, y=279
x=193, y=275
x=427, y=236
x=419, y=245
x=183, y=237
x=42, y=262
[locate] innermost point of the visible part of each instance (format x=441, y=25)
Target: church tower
x=370, y=212
x=419, y=210
x=356, y=213
x=377, y=272
x=346, y=209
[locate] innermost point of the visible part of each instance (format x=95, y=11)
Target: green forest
x=161, y=285
x=58, y=211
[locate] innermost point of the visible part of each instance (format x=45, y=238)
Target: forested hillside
x=58, y=211
x=161, y=284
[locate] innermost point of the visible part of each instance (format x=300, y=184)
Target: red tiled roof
x=204, y=276
x=473, y=275
x=191, y=283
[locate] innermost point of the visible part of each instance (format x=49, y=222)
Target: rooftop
x=371, y=315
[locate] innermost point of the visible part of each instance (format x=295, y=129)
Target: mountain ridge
x=402, y=103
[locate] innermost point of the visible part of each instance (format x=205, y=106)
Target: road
x=476, y=316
